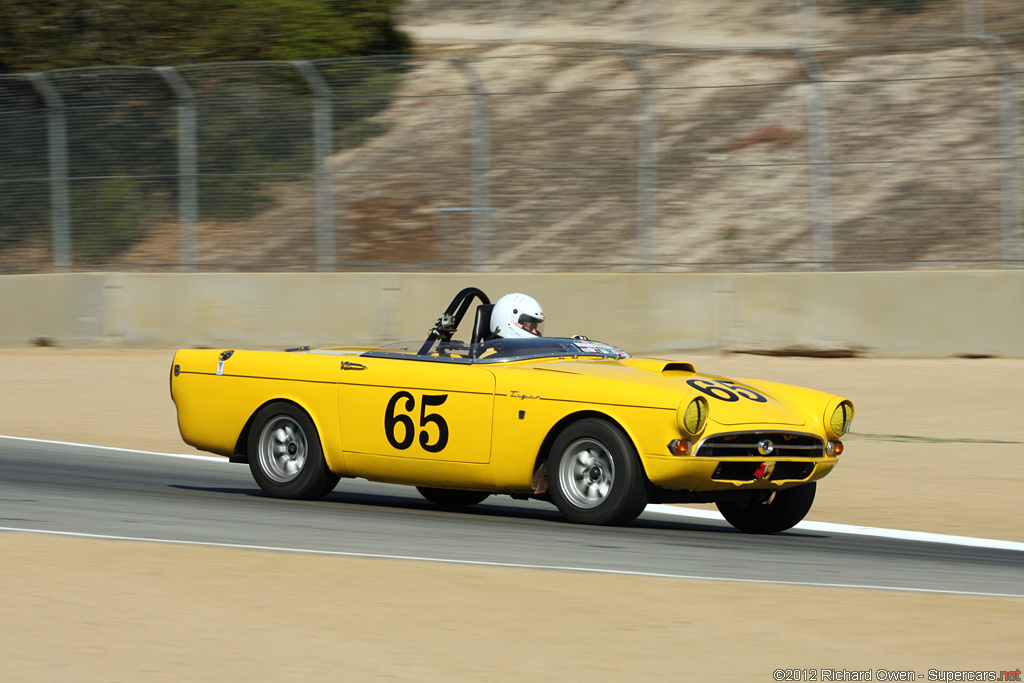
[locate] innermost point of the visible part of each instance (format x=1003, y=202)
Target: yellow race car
x=577, y=422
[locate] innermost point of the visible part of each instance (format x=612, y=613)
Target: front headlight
x=840, y=419
x=695, y=416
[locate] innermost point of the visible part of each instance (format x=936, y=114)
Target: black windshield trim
x=501, y=350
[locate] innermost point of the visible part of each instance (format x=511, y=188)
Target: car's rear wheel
x=771, y=513
x=452, y=498
x=285, y=455
x=595, y=476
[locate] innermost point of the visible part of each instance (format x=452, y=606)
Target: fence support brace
x=646, y=166
x=188, y=192
x=480, y=162
x=510, y=20
x=1009, y=150
x=821, y=182
x=326, y=259
x=57, y=147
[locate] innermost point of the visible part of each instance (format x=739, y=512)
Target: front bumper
x=753, y=460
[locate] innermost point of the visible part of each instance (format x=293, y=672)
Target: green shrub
x=122, y=128
x=55, y=34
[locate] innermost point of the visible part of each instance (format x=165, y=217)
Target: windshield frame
x=499, y=350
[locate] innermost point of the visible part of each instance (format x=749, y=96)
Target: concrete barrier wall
x=924, y=314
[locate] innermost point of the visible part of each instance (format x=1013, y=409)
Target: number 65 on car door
x=435, y=412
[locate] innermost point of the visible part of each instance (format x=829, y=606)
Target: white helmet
x=517, y=315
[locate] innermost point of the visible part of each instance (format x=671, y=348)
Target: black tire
x=285, y=455
x=452, y=498
x=782, y=510
x=595, y=476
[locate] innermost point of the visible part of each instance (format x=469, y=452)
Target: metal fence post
x=807, y=18
x=188, y=192
x=646, y=166
x=974, y=17
x=480, y=163
x=510, y=20
x=821, y=182
x=57, y=149
x=1009, y=151
x=647, y=23
x=325, y=249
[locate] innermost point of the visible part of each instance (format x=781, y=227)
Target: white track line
x=832, y=528
x=693, y=513
x=207, y=458
x=511, y=565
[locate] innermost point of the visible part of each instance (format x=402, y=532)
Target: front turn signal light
x=680, y=447
x=834, y=448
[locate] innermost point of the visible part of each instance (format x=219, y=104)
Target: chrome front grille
x=761, y=445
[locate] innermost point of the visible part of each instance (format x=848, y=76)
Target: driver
x=517, y=315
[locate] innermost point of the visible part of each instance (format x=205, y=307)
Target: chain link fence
x=808, y=157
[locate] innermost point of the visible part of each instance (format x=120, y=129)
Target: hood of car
x=734, y=402
x=663, y=383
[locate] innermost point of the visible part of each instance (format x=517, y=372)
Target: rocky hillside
x=913, y=141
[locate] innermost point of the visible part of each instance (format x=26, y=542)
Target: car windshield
x=500, y=350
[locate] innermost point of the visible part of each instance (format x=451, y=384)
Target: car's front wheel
x=285, y=455
x=771, y=513
x=595, y=476
x=452, y=498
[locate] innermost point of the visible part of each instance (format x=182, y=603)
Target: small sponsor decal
x=592, y=348
x=220, y=367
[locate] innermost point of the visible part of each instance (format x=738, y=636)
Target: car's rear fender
x=241, y=453
x=331, y=450
x=216, y=409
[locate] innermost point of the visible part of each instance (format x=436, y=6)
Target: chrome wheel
x=595, y=475
x=283, y=449
x=586, y=473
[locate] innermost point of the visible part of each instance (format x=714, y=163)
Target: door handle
x=347, y=365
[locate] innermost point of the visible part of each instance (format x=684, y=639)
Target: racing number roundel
x=407, y=431
x=724, y=391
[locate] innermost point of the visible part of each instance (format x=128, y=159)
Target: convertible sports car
x=573, y=421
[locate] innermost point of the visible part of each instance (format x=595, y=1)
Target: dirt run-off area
x=937, y=446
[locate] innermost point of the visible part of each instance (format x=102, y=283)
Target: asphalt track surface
x=97, y=492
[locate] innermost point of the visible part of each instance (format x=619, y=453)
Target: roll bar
x=449, y=321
